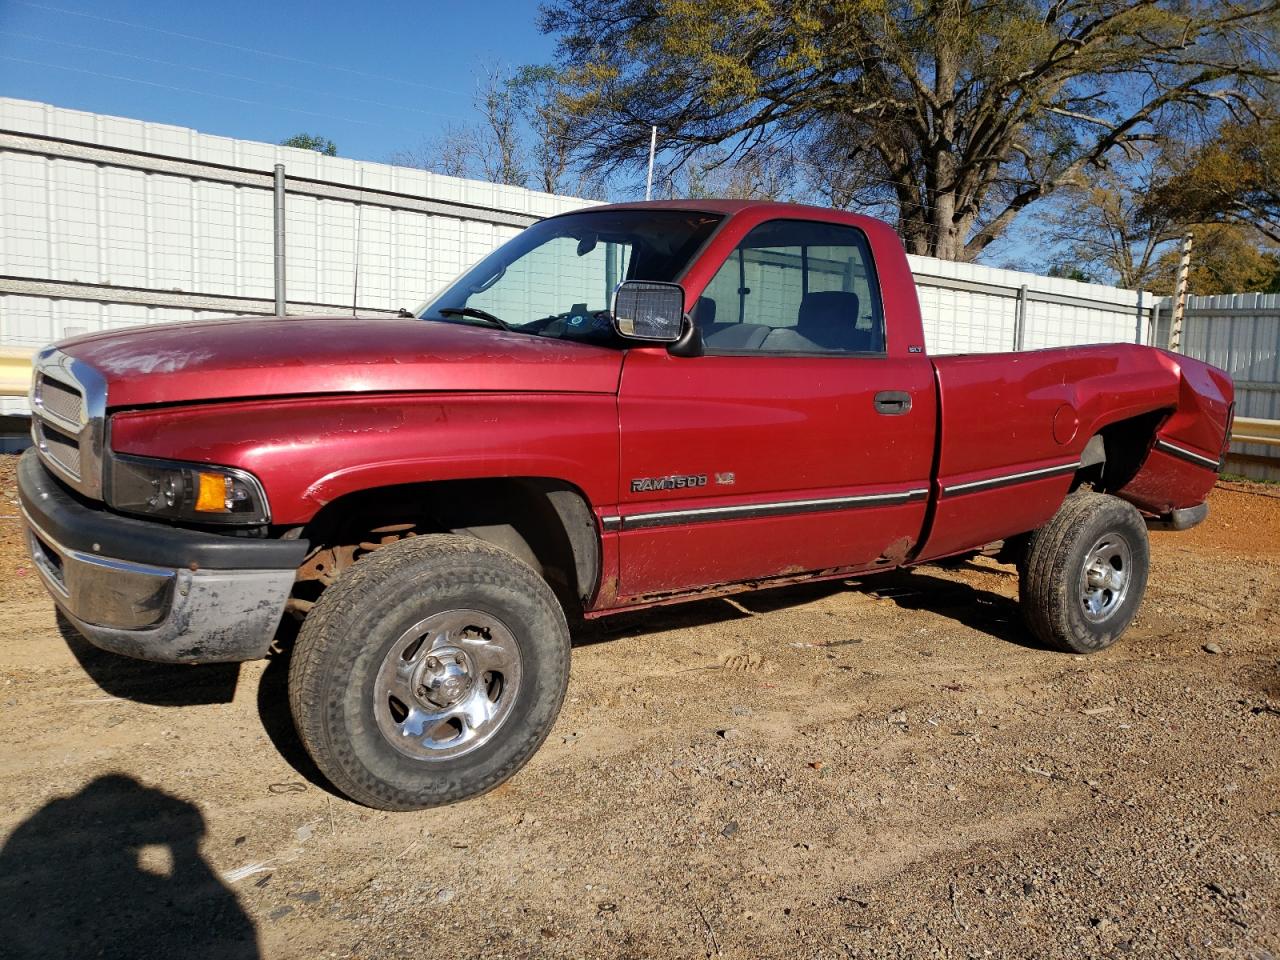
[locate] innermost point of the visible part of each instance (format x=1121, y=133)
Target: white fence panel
x=961, y=321
x=969, y=308
x=108, y=222
x=1240, y=333
x=51, y=319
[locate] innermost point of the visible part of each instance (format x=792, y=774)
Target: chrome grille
x=68, y=422
x=61, y=449
x=59, y=400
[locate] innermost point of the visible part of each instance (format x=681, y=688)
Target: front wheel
x=1084, y=573
x=429, y=673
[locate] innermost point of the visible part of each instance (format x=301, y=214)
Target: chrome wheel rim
x=1104, y=580
x=447, y=685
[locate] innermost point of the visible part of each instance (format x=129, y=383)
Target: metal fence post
x=1180, y=295
x=279, y=240
x=1137, y=332
x=1020, y=319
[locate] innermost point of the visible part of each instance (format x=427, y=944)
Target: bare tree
x=536, y=96
x=760, y=175
x=499, y=149
x=964, y=113
x=1105, y=225
x=526, y=136
x=490, y=149
x=449, y=153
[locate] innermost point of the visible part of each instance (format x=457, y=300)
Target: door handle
x=893, y=403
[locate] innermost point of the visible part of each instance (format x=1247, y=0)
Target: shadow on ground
x=980, y=610
x=116, y=871
x=277, y=720
x=916, y=589
x=175, y=685
x=156, y=684
x=166, y=685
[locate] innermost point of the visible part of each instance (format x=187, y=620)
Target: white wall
x=970, y=308
x=108, y=222
x=68, y=219
x=1240, y=333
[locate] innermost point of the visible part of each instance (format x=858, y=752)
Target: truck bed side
x=1015, y=431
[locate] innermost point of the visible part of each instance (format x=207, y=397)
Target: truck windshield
x=556, y=279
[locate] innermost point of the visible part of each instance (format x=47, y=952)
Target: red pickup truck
x=624, y=406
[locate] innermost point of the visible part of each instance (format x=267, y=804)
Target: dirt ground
x=878, y=769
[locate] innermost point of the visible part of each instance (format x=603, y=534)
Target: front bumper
x=148, y=590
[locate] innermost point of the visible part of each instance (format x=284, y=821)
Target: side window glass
x=794, y=287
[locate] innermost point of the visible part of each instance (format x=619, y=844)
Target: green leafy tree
x=308, y=141
x=1235, y=178
x=1225, y=258
x=955, y=114
x=1070, y=271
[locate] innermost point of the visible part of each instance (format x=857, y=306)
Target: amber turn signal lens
x=197, y=492
x=212, y=496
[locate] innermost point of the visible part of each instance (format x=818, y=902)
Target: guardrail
x=1256, y=430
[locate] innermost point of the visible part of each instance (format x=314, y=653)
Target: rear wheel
x=429, y=673
x=1085, y=573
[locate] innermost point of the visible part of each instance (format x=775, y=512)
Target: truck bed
x=1014, y=427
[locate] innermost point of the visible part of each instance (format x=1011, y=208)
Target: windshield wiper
x=475, y=313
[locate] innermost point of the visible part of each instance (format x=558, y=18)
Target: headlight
x=195, y=492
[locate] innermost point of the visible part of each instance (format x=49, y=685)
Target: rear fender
x=1017, y=431
x=1184, y=453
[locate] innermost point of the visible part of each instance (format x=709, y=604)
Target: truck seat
x=727, y=336
x=786, y=340
x=829, y=319
x=735, y=336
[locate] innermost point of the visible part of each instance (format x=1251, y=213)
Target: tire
x=399, y=723
x=1084, y=573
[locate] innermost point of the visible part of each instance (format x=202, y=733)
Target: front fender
x=310, y=451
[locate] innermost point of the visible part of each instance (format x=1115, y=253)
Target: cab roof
x=725, y=207
x=757, y=210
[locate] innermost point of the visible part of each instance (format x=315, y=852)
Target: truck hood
x=243, y=357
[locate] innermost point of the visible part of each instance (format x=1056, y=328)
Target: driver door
x=800, y=442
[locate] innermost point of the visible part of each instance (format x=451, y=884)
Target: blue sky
x=373, y=77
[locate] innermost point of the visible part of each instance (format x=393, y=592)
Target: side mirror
x=649, y=310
